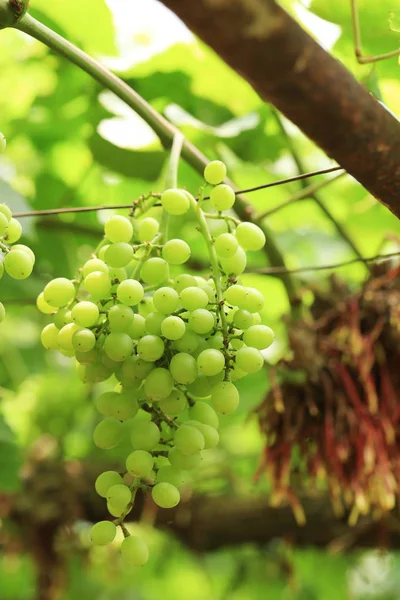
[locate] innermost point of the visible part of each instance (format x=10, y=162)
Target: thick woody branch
x=288, y=68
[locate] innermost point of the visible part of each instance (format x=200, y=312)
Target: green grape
x=136, y=328
x=201, y=320
x=214, y=379
x=253, y=300
x=224, y=398
x=59, y=292
x=148, y=229
x=234, y=295
x=136, y=367
x=259, y=336
x=14, y=231
x=176, y=252
x=87, y=358
x=188, y=440
x=250, y=236
x=85, y=313
x=117, y=274
x=108, y=433
x=108, y=362
x=3, y=223
x=210, y=291
x=236, y=344
x=210, y=434
x=125, y=406
x=62, y=317
x=65, y=336
x=103, y=533
x=236, y=264
x=150, y=348
x=49, y=337
x=171, y=475
x=210, y=361
x=105, y=481
x=130, y=292
x=242, y=319
x=203, y=345
x=183, y=368
x=94, y=264
x=215, y=172
x=222, y=197
x=153, y=323
x=43, y=306
x=183, y=281
x=118, y=255
x=184, y=462
x=18, y=264
x=145, y=435
x=256, y=318
x=175, y=202
x=174, y=404
x=4, y=209
x=98, y=285
x=200, y=387
x=2, y=312
x=25, y=249
x=216, y=341
x=134, y=551
x=83, y=340
x=119, y=318
x=96, y=372
x=118, y=229
x=249, y=359
x=139, y=463
x=105, y=403
x=173, y=328
x=193, y=297
x=226, y=245
x=1, y=267
x=118, y=346
x=166, y=300
x=154, y=271
x=188, y=342
x=158, y=384
x=165, y=495
x=119, y=496
x=115, y=511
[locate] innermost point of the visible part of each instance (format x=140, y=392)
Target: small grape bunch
x=16, y=260
x=175, y=344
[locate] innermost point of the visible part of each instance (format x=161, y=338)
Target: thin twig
x=361, y=58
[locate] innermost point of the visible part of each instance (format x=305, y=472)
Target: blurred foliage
x=69, y=144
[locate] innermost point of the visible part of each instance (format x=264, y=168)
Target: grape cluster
x=16, y=260
x=174, y=342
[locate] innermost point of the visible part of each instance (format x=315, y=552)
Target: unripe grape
x=210, y=292
x=158, y=384
x=145, y=435
x=85, y=313
x=153, y=323
x=253, y=300
x=65, y=336
x=118, y=229
x=154, y=271
x=117, y=274
x=125, y=406
x=183, y=368
x=189, y=440
x=250, y=236
x=98, y=285
x=224, y=398
x=25, y=249
x=235, y=295
x=2, y=312
x=108, y=433
x=166, y=300
x=226, y=245
x=210, y=434
x=130, y=292
x=103, y=533
x=193, y=297
x=150, y=348
x=188, y=342
x=105, y=481
x=174, y=404
x=14, y=231
x=176, y=252
x=120, y=317
x=62, y=317
x=184, y=462
x=137, y=327
x=49, y=337
x=222, y=197
x=175, y=202
x=44, y=306
x=134, y=551
x=118, y=346
x=242, y=319
x=165, y=495
x=148, y=229
x=3, y=223
x=216, y=341
x=183, y=281
x=94, y=264
x=215, y=172
x=171, y=475
x=210, y=362
x=4, y=209
x=173, y=328
x=115, y=511
x=119, y=496
x=18, y=264
x=201, y=320
x=236, y=264
x=105, y=403
x=136, y=367
x=84, y=340
x=139, y=463
x=200, y=387
x=118, y=255
x=259, y=336
x=249, y=360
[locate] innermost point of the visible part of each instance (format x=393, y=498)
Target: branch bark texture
x=288, y=68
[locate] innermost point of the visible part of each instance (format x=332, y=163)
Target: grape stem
x=171, y=181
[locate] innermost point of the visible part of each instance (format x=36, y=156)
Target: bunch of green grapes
x=175, y=344
x=16, y=260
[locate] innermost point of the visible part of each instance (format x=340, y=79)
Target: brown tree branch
x=289, y=69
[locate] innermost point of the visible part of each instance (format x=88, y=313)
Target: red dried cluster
x=333, y=413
